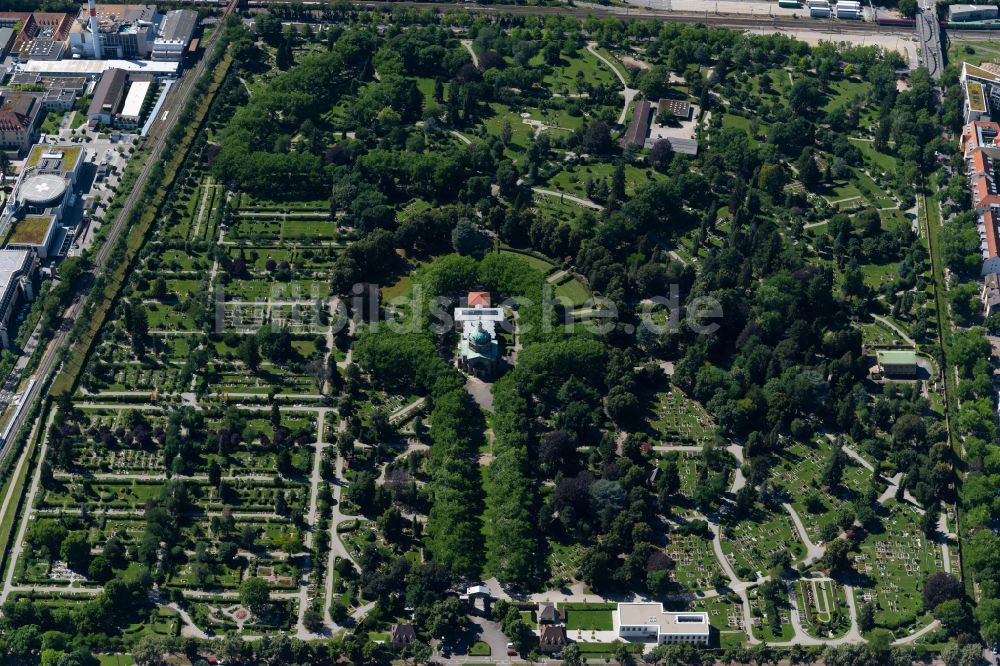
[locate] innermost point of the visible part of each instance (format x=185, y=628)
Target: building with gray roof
x=176, y=31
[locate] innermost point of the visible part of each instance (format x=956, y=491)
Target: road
x=929, y=32
x=169, y=116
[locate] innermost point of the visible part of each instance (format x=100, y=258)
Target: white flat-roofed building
x=131, y=111
x=17, y=268
x=649, y=622
x=97, y=67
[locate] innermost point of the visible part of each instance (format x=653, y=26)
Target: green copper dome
x=480, y=339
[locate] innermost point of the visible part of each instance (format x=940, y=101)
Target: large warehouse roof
x=137, y=93
x=94, y=67
x=178, y=25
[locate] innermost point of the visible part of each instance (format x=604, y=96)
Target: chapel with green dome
x=478, y=350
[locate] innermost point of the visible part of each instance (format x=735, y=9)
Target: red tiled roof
x=12, y=121
x=990, y=222
x=479, y=298
x=970, y=134
x=979, y=162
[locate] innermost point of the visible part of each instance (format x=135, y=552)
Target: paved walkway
x=895, y=329
x=337, y=548
x=464, y=139
x=312, y=516
x=814, y=553
x=629, y=93
x=404, y=412
x=579, y=201
x=29, y=502
x=558, y=275
x=467, y=43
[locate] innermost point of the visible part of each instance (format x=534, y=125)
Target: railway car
x=790, y=4
x=892, y=20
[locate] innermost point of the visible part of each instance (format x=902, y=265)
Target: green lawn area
x=825, y=605
x=520, y=133
x=414, y=207
x=886, y=163
x=974, y=53
x=573, y=179
x=870, y=189
x=619, y=67
x=844, y=92
x=585, y=616
x=115, y=660
x=575, y=70
x=878, y=274
x=479, y=649
x=426, y=86
x=841, y=190
x=894, y=219
x=605, y=650
x=53, y=119
x=878, y=334
x=574, y=291
x=564, y=212
x=402, y=287
x=739, y=122
x=539, y=264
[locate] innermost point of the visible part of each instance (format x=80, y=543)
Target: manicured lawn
x=539, y=264
x=605, y=650
x=840, y=191
x=878, y=274
x=574, y=291
x=843, y=93
x=595, y=617
x=886, y=163
x=115, y=660
x=573, y=179
x=574, y=70
x=974, y=53
x=563, y=212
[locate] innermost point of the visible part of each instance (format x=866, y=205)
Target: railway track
x=169, y=115
x=735, y=21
